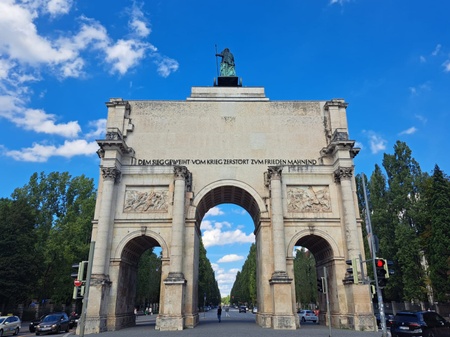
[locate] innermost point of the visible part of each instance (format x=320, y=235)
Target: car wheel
x=303, y=319
x=67, y=328
x=58, y=329
x=37, y=333
x=1, y=333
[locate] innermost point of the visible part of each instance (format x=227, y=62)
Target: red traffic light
x=379, y=263
x=77, y=283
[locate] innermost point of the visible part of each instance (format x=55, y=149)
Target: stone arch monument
x=164, y=164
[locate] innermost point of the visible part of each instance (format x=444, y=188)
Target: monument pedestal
x=228, y=81
x=172, y=317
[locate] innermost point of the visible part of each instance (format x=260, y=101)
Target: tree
x=244, y=287
x=149, y=279
x=305, y=277
x=63, y=209
x=437, y=234
x=18, y=264
x=404, y=181
x=207, y=283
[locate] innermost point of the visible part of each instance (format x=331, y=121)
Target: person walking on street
x=226, y=312
x=219, y=313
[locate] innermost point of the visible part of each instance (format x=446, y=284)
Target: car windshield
x=2, y=319
x=51, y=318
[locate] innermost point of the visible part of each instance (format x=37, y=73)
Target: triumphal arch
x=164, y=164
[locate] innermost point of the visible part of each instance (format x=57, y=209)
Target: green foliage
x=62, y=209
x=410, y=214
x=18, y=264
x=207, y=283
x=305, y=278
x=244, y=288
x=438, y=235
x=149, y=279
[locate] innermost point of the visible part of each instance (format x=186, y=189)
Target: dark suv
x=420, y=323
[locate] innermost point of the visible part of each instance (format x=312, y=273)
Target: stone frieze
x=308, y=199
x=146, y=201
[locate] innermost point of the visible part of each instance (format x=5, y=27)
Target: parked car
x=254, y=310
x=10, y=325
x=308, y=316
x=33, y=323
x=420, y=323
x=243, y=309
x=73, y=320
x=389, y=319
x=55, y=322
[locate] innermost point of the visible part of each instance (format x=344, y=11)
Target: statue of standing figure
x=227, y=64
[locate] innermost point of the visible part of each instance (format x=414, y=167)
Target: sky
x=61, y=60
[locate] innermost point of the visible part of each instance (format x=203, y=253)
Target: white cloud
x=166, y=65
x=424, y=87
x=58, y=7
x=409, y=131
x=138, y=23
x=339, y=2
x=422, y=59
x=216, y=237
x=98, y=128
x=230, y=258
x=125, y=54
x=446, y=66
x=436, y=50
x=215, y=211
x=376, y=142
x=421, y=118
x=41, y=153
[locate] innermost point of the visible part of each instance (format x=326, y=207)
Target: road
x=237, y=325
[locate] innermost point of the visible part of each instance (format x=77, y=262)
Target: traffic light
x=79, y=275
x=382, y=271
x=319, y=285
x=352, y=272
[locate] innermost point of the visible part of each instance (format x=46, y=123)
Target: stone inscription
x=171, y=162
x=145, y=201
x=312, y=199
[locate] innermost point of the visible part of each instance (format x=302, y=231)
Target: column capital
x=110, y=173
x=343, y=173
x=274, y=172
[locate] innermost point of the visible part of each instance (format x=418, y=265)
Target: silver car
x=308, y=316
x=9, y=325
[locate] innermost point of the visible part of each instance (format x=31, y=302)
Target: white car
x=308, y=316
x=9, y=325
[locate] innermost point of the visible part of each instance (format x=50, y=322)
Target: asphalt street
x=237, y=325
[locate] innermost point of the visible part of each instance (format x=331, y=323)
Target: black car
x=55, y=322
x=32, y=326
x=243, y=309
x=419, y=324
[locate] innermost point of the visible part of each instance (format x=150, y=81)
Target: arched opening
x=311, y=254
x=228, y=216
x=127, y=305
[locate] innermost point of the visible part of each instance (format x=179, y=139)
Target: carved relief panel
x=146, y=200
x=308, y=199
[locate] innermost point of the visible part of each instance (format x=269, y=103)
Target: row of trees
x=410, y=214
x=46, y=227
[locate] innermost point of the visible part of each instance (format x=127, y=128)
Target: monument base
x=227, y=81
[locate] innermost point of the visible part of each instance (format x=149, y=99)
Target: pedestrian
x=226, y=312
x=219, y=313
x=150, y=310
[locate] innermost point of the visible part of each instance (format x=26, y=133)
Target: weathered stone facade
x=164, y=164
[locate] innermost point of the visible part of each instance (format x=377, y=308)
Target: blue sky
x=60, y=60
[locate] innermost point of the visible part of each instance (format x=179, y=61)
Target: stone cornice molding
x=110, y=173
x=113, y=141
x=336, y=102
x=343, y=173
